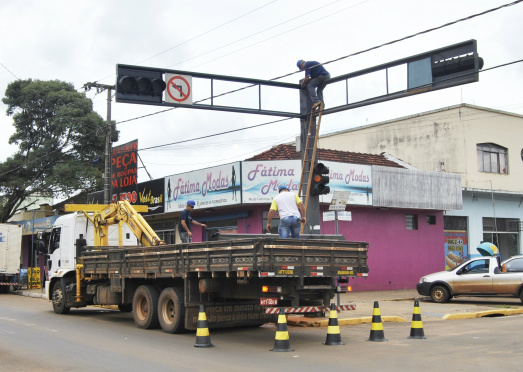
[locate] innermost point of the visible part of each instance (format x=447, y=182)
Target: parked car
x=482, y=276
x=513, y=264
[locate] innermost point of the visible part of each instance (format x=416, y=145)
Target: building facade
x=482, y=145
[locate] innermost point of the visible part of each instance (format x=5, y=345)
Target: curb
x=311, y=322
x=479, y=314
x=30, y=294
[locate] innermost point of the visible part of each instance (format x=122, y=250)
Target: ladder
x=310, y=157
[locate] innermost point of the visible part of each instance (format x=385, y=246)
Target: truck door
x=54, y=249
x=474, y=278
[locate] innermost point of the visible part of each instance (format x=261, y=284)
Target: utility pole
x=108, y=134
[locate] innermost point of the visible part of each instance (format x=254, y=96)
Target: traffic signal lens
x=144, y=85
x=320, y=179
x=127, y=83
x=158, y=86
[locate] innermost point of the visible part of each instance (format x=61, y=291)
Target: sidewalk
x=394, y=305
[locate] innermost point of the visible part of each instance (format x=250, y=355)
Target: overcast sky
x=82, y=41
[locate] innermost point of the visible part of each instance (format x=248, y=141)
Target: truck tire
x=58, y=298
x=439, y=294
x=145, y=307
x=521, y=295
x=171, y=310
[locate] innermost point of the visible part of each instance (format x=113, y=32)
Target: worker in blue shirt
x=186, y=220
x=315, y=80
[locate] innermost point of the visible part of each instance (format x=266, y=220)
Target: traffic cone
x=376, y=328
x=416, y=329
x=281, y=341
x=203, y=339
x=333, y=330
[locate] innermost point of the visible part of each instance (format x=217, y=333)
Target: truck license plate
x=268, y=301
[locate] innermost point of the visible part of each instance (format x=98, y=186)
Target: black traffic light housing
x=319, y=180
x=135, y=85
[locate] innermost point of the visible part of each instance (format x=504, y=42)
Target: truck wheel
x=58, y=298
x=521, y=295
x=145, y=307
x=439, y=294
x=171, y=310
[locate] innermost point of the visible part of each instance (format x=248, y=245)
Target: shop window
x=412, y=221
x=454, y=223
x=492, y=158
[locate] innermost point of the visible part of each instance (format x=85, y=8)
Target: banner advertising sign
x=456, y=248
x=353, y=178
x=124, y=172
x=31, y=227
x=211, y=187
x=260, y=179
x=151, y=193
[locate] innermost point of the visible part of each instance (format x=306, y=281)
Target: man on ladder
x=315, y=80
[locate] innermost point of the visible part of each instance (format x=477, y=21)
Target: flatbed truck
x=239, y=281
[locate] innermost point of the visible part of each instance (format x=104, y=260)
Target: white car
x=482, y=276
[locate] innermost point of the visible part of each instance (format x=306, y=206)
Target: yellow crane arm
x=117, y=213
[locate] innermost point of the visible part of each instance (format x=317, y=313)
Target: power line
x=335, y=60
x=200, y=35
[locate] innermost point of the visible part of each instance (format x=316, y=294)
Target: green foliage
x=61, y=143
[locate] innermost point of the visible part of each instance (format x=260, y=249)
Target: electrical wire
x=328, y=62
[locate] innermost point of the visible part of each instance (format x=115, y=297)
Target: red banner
x=124, y=171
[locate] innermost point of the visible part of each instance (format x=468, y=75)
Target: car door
x=474, y=277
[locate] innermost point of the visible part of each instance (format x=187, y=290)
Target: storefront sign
x=356, y=179
x=124, y=172
x=211, y=187
x=456, y=248
x=260, y=179
x=30, y=227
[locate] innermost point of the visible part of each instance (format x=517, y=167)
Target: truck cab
x=68, y=235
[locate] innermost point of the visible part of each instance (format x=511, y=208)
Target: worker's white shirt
x=286, y=203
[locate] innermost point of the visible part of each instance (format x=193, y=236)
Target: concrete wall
x=443, y=140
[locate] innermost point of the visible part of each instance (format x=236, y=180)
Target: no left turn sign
x=178, y=89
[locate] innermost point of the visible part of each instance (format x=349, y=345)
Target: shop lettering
x=273, y=186
x=124, y=160
x=263, y=171
x=185, y=188
x=149, y=198
x=214, y=184
x=352, y=176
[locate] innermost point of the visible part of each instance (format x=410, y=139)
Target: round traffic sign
x=178, y=88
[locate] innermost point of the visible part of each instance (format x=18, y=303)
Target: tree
x=61, y=143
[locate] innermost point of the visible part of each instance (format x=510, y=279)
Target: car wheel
x=439, y=294
x=521, y=295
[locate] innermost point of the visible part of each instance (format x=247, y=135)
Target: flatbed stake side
x=164, y=285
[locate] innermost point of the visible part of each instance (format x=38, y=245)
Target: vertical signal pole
x=313, y=207
x=107, y=172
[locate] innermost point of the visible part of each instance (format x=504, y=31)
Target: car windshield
x=514, y=264
x=457, y=266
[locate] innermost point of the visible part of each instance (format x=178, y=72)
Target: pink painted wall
x=397, y=257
